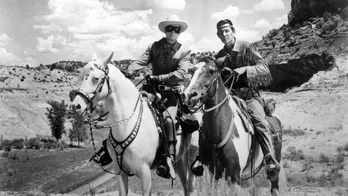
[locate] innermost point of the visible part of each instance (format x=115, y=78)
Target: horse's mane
x=208, y=60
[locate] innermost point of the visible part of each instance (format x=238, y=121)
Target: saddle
x=269, y=107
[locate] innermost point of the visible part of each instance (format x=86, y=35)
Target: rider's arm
x=180, y=73
x=144, y=60
x=258, y=73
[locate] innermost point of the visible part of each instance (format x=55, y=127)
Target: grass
x=50, y=171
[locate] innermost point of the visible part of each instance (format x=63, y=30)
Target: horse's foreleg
x=182, y=171
x=275, y=187
x=145, y=180
x=122, y=181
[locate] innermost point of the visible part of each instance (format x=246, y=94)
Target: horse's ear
x=220, y=61
x=108, y=60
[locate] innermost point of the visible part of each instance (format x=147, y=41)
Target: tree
x=56, y=117
x=78, y=132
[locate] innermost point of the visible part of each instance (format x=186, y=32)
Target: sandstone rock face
x=302, y=10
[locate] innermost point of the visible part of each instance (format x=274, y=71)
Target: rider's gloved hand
x=226, y=71
x=237, y=72
x=151, y=78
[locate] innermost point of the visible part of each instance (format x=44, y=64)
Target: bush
x=272, y=33
x=63, y=144
x=287, y=36
x=34, y=143
x=344, y=13
x=51, y=144
x=297, y=26
x=5, y=154
x=294, y=154
x=329, y=26
x=6, y=145
x=323, y=158
x=327, y=16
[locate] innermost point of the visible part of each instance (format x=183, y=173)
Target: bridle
x=204, y=95
x=89, y=96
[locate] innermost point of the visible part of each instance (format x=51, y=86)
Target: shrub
x=340, y=158
x=294, y=132
x=327, y=16
x=6, y=145
x=63, y=145
x=323, y=158
x=272, y=33
x=294, y=154
x=333, y=178
x=5, y=154
x=287, y=35
x=33, y=143
x=51, y=144
x=18, y=143
x=344, y=13
x=297, y=26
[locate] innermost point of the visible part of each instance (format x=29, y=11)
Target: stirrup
x=166, y=168
x=95, y=158
x=271, y=168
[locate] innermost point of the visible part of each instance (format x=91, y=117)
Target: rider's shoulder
x=185, y=49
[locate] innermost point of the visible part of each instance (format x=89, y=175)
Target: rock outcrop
x=302, y=10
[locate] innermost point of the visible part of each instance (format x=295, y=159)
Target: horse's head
x=204, y=74
x=94, y=87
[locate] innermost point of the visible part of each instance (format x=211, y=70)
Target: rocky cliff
x=303, y=10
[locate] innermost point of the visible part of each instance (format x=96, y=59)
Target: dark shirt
x=169, y=62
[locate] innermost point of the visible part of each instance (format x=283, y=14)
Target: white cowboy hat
x=172, y=20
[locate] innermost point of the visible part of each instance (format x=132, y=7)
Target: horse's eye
x=211, y=71
x=95, y=79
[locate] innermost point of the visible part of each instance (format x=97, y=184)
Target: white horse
x=134, y=123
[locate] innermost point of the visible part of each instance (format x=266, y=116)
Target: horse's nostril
x=182, y=96
x=193, y=94
x=78, y=106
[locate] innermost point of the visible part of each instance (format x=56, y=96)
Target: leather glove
x=226, y=71
x=237, y=72
x=151, y=78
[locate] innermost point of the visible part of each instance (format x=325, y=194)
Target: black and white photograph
x=174, y=97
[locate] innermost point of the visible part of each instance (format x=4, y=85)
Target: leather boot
x=272, y=166
x=166, y=169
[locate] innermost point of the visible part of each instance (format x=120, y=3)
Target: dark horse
x=227, y=144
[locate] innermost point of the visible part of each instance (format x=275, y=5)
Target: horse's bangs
x=84, y=71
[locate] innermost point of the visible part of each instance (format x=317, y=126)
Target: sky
x=46, y=31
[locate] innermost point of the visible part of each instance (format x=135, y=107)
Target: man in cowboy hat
x=170, y=61
x=243, y=60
